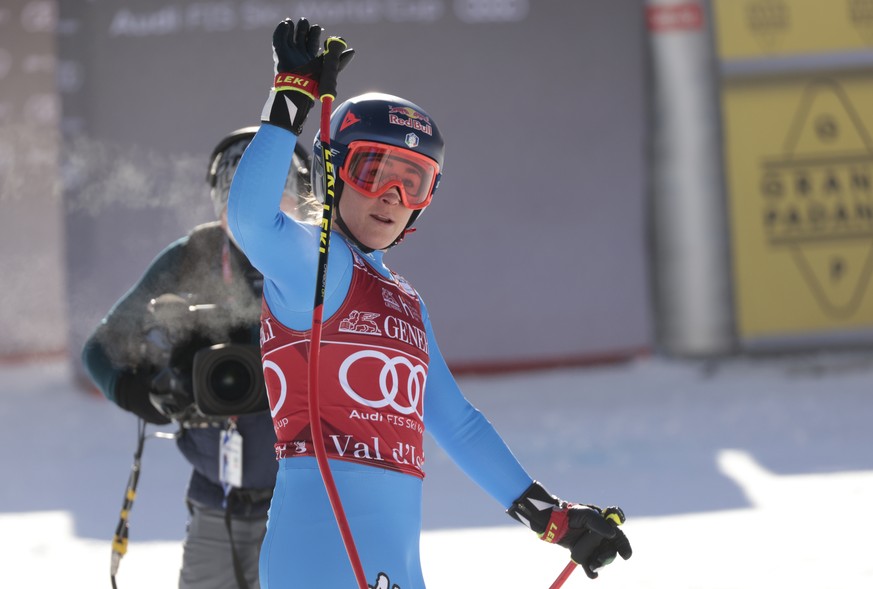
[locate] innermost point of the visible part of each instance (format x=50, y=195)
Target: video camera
x=207, y=367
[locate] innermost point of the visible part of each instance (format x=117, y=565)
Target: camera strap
x=230, y=474
x=246, y=497
x=237, y=565
x=119, y=540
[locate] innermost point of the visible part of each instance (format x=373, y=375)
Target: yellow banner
x=772, y=28
x=799, y=170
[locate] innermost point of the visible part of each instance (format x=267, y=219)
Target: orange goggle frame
x=373, y=168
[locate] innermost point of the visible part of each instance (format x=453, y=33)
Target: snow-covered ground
x=738, y=474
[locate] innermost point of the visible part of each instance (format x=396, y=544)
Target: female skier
x=378, y=347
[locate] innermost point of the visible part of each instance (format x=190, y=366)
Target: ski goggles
x=373, y=168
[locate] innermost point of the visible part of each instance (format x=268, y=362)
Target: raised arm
x=276, y=244
x=284, y=250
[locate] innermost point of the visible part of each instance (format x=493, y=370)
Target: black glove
x=132, y=389
x=302, y=73
x=171, y=394
x=590, y=533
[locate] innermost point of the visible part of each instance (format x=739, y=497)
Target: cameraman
x=140, y=357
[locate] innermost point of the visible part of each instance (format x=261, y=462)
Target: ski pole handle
x=610, y=514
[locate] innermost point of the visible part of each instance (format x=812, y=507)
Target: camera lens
x=230, y=380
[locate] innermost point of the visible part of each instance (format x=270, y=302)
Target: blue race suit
x=303, y=547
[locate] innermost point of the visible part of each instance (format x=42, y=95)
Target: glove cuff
x=288, y=107
x=303, y=84
x=534, y=508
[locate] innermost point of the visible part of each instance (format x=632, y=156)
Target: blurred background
x=689, y=178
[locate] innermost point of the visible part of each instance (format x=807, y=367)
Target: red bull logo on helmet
x=408, y=112
x=409, y=117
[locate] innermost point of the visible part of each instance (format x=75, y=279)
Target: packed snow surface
x=735, y=474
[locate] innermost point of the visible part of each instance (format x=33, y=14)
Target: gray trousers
x=207, y=561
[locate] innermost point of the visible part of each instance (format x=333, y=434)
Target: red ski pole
x=565, y=574
x=315, y=345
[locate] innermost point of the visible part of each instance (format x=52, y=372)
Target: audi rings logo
x=283, y=385
x=390, y=382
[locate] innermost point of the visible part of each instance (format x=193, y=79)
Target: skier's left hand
x=593, y=536
x=590, y=533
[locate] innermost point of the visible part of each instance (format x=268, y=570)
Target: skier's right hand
x=303, y=73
